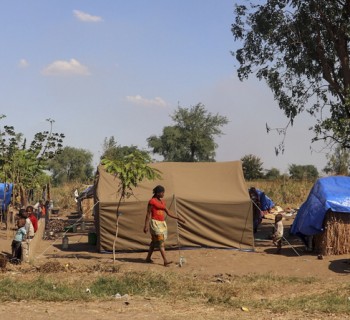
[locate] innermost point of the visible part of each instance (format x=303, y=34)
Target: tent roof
x=196, y=181
x=329, y=193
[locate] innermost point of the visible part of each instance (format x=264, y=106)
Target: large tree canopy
x=191, y=139
x=303, y=172
x=24, y=165
x=338, y=162
x=112, y=151
x=252, y=167
x=72, y=164
x=301, y=49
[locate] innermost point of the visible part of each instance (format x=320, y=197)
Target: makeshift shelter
x=211, y=197
x=5, y=195
x=326, y=216
x=85, y=202
x=5, y=199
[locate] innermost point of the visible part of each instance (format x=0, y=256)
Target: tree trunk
x=22, y=194
x=117, y=227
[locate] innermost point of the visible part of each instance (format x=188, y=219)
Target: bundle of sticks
x=335, y=239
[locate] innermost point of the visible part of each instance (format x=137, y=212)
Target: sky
x=121, y=68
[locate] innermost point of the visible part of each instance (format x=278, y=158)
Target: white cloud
x=157, y=101
x=61, y=67
x=85, y=17
x=23, y=63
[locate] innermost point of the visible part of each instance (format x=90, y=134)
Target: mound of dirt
x=3, y=262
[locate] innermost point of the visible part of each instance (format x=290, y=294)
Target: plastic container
x=92, y=238
x=71, y=228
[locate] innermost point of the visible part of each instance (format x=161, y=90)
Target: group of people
x=155, y=223
x=27, y=226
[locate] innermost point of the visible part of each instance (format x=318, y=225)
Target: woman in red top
x=155, y=222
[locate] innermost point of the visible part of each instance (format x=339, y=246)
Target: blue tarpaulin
x=5, y=195
x=329, y=193
x=265, y=202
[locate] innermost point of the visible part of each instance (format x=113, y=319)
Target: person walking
x=156, y=224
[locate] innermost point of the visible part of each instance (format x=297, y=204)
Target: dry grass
x=256, y=292
x=335, y=239
x=285, y=193
x=63, y=196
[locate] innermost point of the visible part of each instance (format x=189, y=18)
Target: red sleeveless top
x=157, y=209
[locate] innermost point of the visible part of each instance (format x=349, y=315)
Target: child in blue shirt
x=17, y=241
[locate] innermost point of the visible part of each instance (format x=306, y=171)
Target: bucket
x=92, y=238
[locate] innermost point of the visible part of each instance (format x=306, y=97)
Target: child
x=278, y=232
x=17, y=241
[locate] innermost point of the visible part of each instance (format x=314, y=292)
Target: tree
x=303, y=172
x=72, y=164
x=130, y=170
x=191, y=139
x=24, y=166
x=301, y=49
x=252, y=167
x=111, y=149
x=338, y=162
x=272, y=174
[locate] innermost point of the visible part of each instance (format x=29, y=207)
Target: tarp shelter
x=211, y=197
x=265, y=202
x=5, y=195
x=86, y=193
x=329, y=193
x=85, y=202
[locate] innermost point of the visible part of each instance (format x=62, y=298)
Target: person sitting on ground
x=278, y=232
x=32, y=217
x=155, y=222
x=17, y=241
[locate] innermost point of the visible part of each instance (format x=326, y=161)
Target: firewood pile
x=56, y=225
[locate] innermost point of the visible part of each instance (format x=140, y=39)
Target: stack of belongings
x=267, y=206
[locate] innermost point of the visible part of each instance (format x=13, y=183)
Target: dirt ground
x=207, y=262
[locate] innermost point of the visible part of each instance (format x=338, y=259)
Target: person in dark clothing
x=257, y=217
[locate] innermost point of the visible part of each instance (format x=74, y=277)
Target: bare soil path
x=207, y=263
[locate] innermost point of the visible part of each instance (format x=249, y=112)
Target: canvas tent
x=327, y=194
x=211, y=197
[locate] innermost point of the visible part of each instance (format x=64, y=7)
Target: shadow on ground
x=340, y=266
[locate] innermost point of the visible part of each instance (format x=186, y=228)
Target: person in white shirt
x=277, y=235
x=30, y=235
